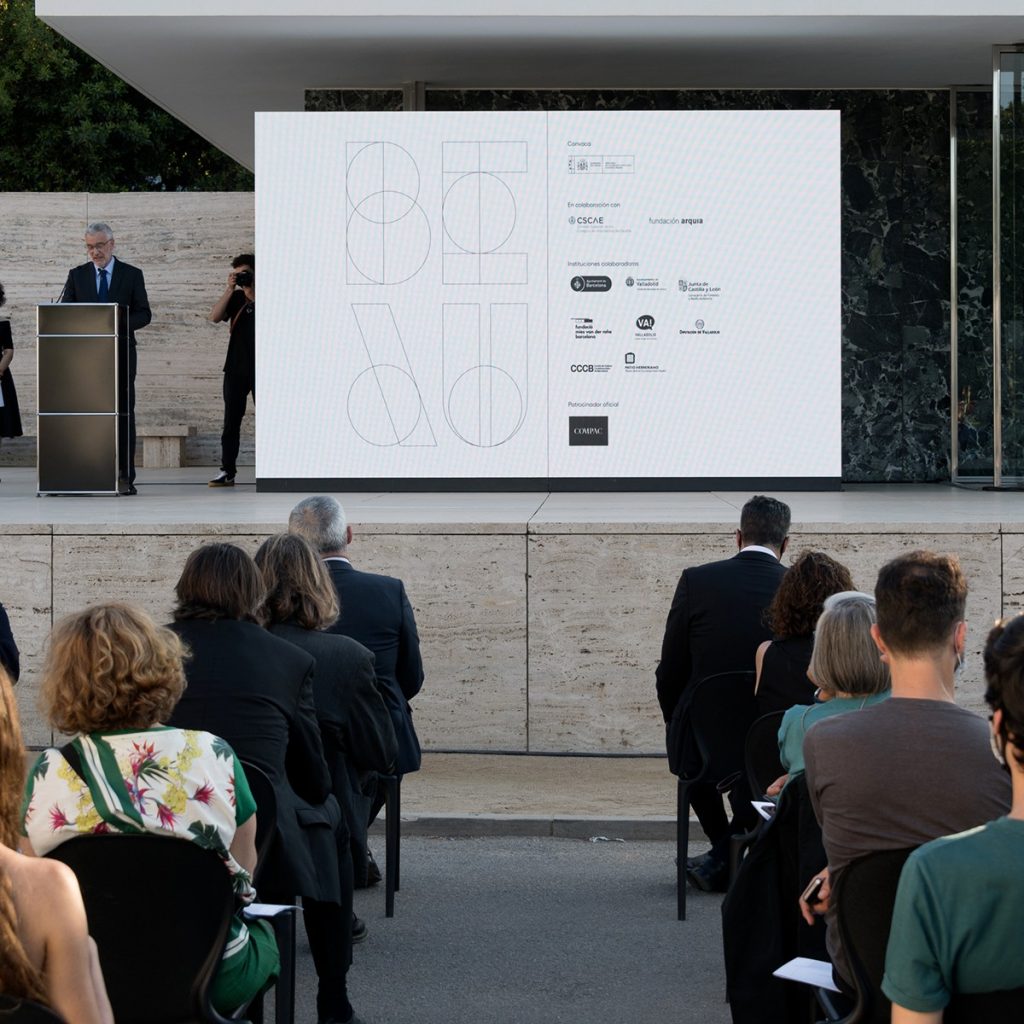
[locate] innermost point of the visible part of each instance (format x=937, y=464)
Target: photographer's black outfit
x=239, y=376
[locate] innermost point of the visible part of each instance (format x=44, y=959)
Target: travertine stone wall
x=543, y=638
x=184, y=243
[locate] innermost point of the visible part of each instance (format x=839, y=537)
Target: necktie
x=103, y=294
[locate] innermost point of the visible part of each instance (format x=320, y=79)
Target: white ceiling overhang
x=213, y=66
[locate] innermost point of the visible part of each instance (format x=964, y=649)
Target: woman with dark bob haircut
x=112, y=676
x=781, y=664
x=256, y=691
x=956, y=927
x=359, y=739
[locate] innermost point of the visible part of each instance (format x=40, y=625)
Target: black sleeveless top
x=784, y=679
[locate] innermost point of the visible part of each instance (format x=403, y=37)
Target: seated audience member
x=715, y=624
x=111, y=678
x=355, y=726
x=9, y=658
x=845, y=665
x=956, y=926
x=914, y=767
x=256, y=691
x=781, y=663
x=375, y=611
x=47, y=953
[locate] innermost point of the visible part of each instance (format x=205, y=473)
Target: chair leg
x=391, y=806
x=682, y=845
x=284, y=992
x=398, y=833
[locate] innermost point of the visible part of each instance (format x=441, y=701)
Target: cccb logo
x=582, y=368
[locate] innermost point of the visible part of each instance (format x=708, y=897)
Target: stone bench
x=163, y=445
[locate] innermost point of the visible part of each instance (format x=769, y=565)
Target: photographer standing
x=238, y=306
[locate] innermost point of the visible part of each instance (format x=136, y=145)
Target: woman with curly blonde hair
x=47, y=955
x=113, y=677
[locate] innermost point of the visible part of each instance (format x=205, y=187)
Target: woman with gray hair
x=846, y=668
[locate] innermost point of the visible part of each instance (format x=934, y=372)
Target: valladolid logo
x=645, y=322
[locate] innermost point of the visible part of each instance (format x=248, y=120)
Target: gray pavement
x=525, y=930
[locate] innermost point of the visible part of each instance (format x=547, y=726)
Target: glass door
x=1008, y=264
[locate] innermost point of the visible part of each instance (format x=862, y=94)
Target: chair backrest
x=266, y=812
x=159, y=909
x=1004, y=1007
x=721, y=712
x=23, y=1011
x=761, y=753
x=864, y=897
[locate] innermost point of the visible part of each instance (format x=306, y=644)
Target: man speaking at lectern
x=106, y=279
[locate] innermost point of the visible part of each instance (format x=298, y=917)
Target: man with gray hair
x=376, y=612
x=106, y=279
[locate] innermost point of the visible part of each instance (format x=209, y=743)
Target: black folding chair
x=763, y=765
x=154, y=900
x=24, y=1011
x=1003, y=1007
x=719, y=714
x=283, y=923
x=864, y=897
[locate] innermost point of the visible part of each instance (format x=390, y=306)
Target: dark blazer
x=256, y=691
x=9, y=657
x=355, y=724
x=716, y=622
x=126, y=286
x=376, y=612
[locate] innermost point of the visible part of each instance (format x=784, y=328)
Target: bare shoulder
x=40, y=882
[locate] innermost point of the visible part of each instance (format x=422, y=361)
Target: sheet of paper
x=267, y=909
x=809, y=972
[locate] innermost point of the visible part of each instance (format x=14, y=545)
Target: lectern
x=82, y=391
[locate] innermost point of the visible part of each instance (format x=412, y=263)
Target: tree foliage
x=67, y=124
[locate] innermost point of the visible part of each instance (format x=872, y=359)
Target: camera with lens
x=244, y=278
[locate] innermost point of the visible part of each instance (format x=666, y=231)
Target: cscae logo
x=645, y=322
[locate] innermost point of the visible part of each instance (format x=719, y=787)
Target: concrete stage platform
x=541, y=615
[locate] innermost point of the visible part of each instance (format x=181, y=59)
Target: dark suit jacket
x=716, y=622
x=376, y=612
x=9, y=657
x=256, y=691
x=126, y=286
x=355, y=724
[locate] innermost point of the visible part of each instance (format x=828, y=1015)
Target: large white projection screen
x=531, y=300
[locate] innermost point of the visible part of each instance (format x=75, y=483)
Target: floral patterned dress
x=175, y=782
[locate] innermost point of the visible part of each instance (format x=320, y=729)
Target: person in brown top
x=915, y=767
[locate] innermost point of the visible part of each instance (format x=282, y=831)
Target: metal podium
x=82, y=392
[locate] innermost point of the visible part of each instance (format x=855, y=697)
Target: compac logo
x=588, y=430
x=645, y=322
